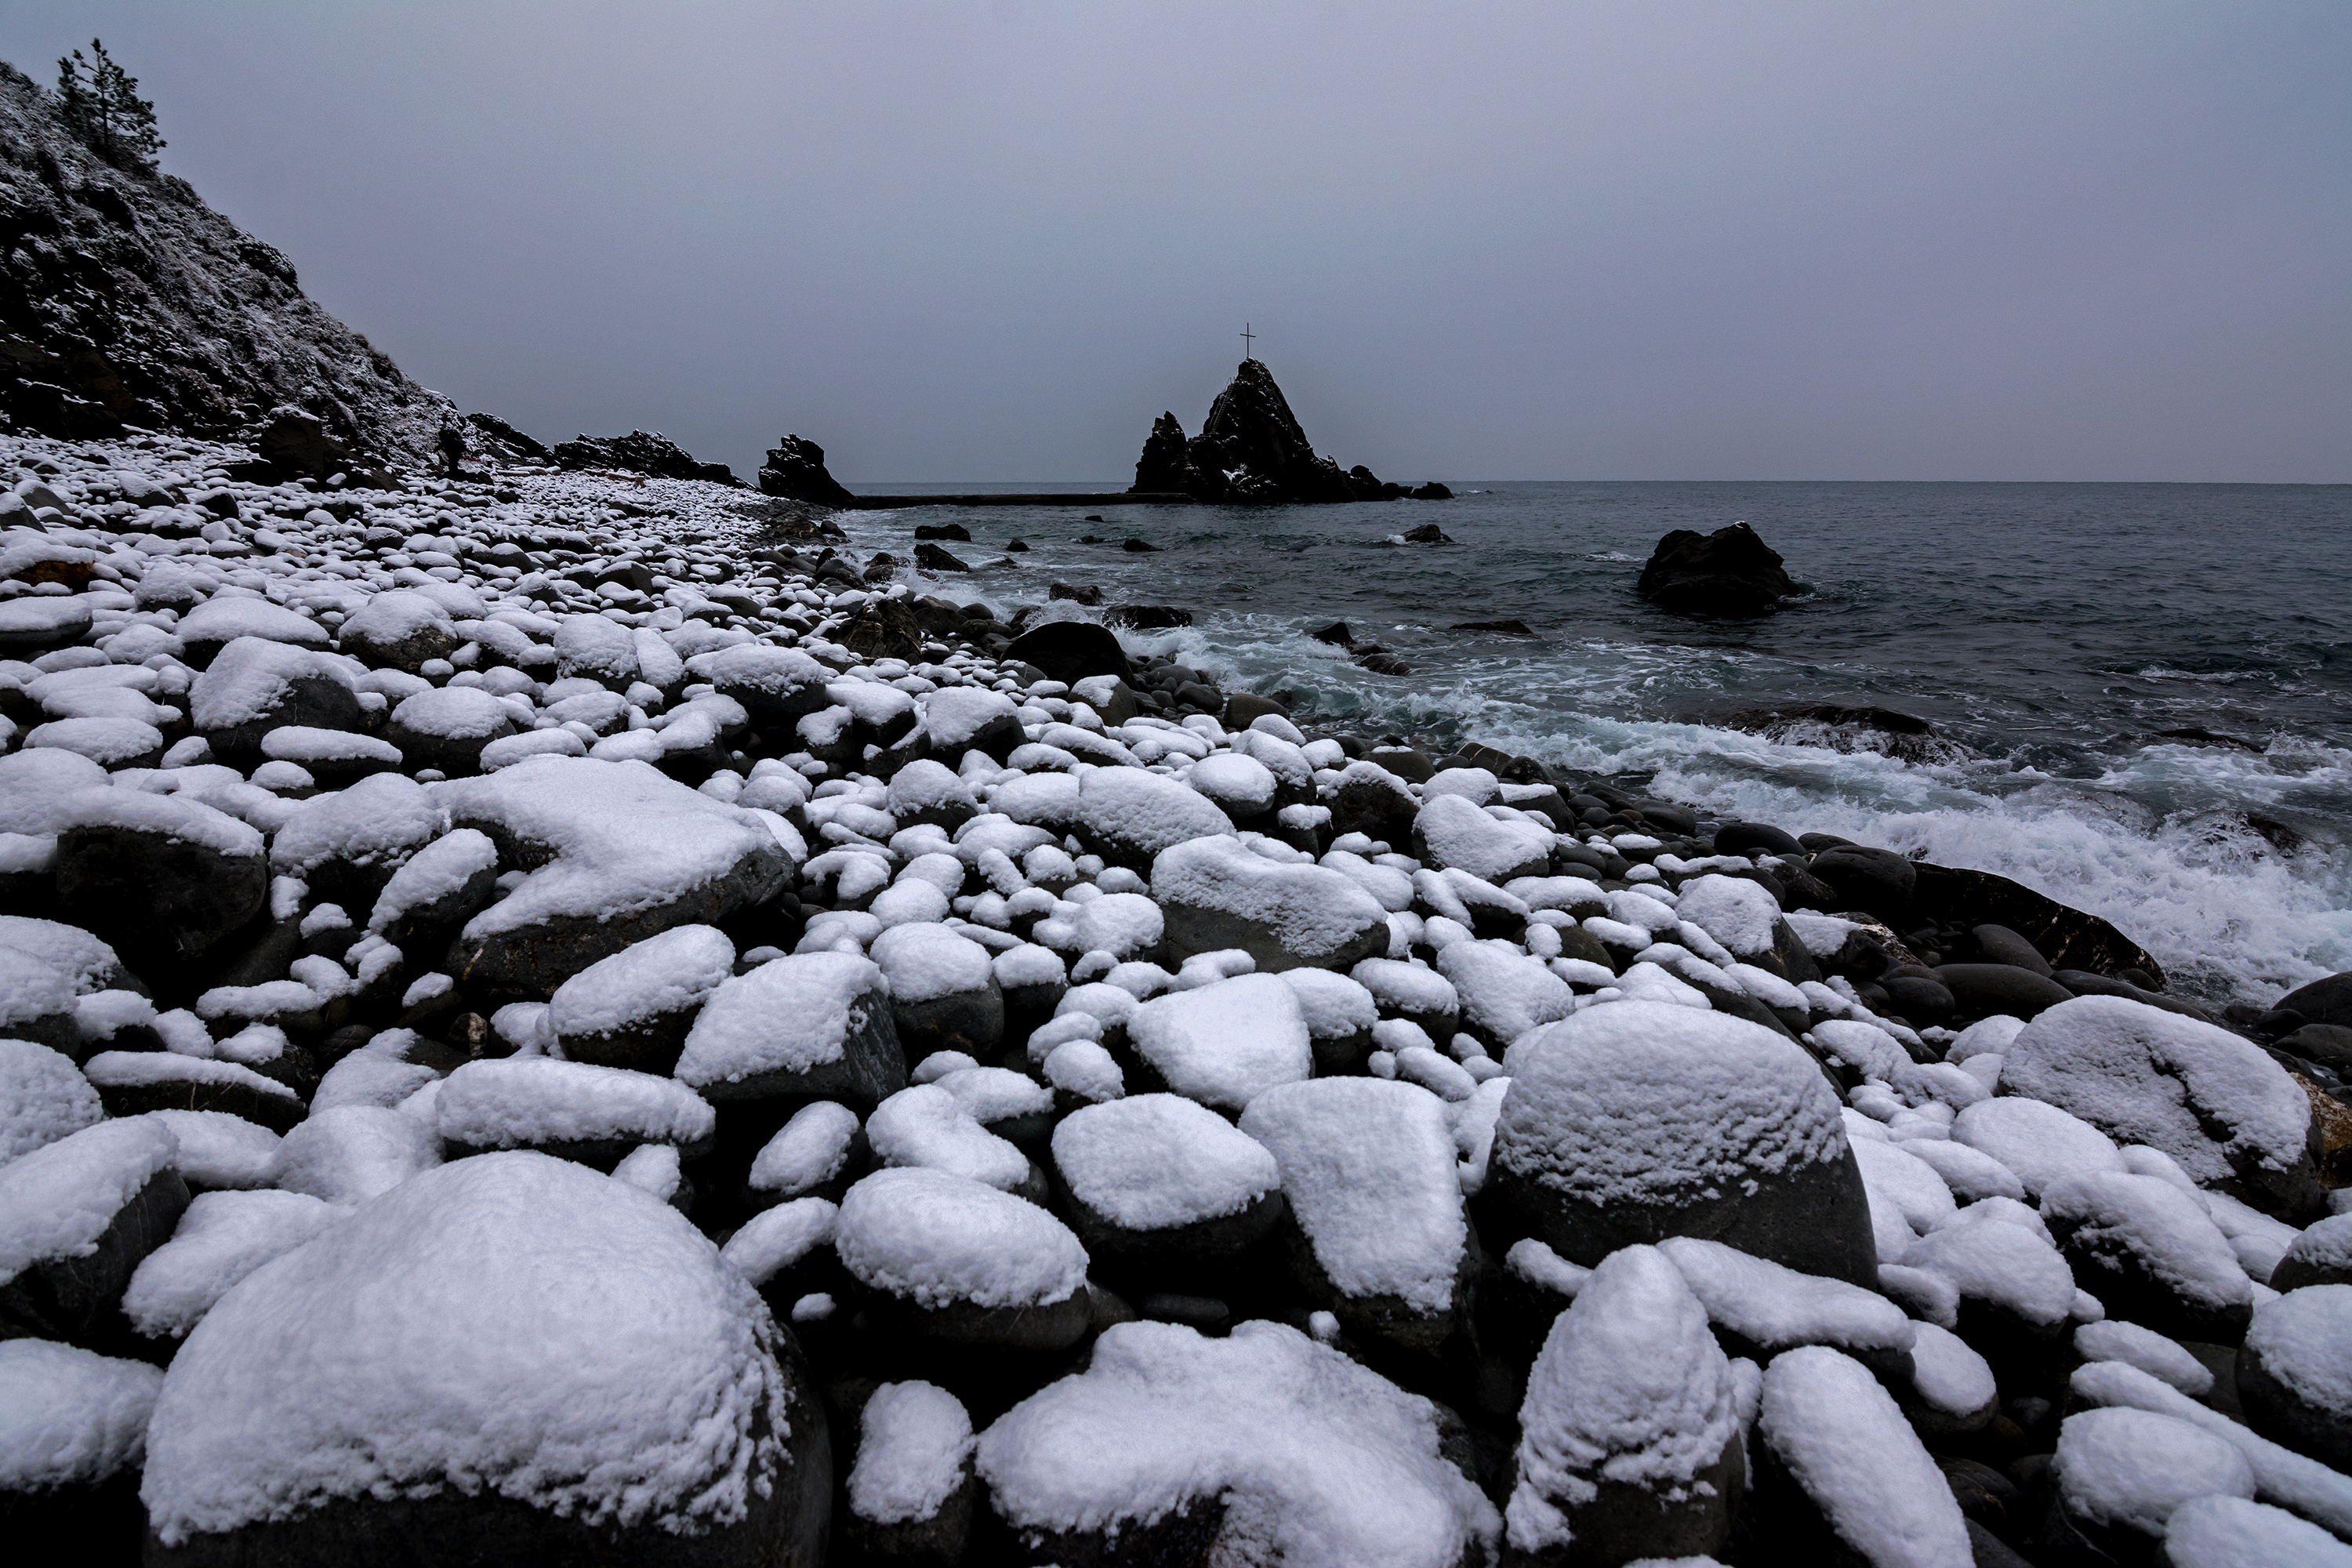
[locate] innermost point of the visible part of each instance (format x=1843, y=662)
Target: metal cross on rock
x=1246, y=337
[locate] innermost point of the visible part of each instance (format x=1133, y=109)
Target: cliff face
x=124, y=300
x=1252, y=448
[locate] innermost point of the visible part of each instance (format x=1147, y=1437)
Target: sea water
x=2049, y=633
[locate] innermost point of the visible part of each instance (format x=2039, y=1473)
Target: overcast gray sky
x=991, y=241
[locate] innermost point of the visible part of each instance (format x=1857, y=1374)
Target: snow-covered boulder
x=398, y=630
x=1629, y=1434
x=2122, y=1472
x=1226, y=1043
x=1217, y=894
x=2294, y=1377
x=1504, y=993
x=634, y=1009
x=131, y=1083
x=1130, y=817
x=2222, y=1531
x=347, y=846
x=1452, y=831
x=958, y=1261
x=43, y=1098
x=2320, y=1256
x=437, y=889
x=1378, y=1231
x=617, y=853
x=926, y=1127
x=2151, y=1254
x=1637, y=1121
x=1158, y=1183
x=643, y=1408
x=1842, y=1476
x=816, y=1153
x=912, y=1489
x=258, y=685
x=2212, y=1101
x=1407, y=991
x=221, y=1238
x=445, y=727
x=73, y=1430
x=943, y=989
x=1262, y=1447
x=1747, y=920
x=2037, y=1144
x=575, y=1110
x=77, y=1217
x=815, y=1024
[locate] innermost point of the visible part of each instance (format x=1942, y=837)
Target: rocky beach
x=557, y=1007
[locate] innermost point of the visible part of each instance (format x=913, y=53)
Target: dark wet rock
x=950, y=530
x=1999, y=944
x=1139, y=547
x=1070, y=651
x=1728, y=572
x=1877, y=880
x=1840, y=728
x=1954, y=898
x=1431, y=491
x=1250, y=448
x=1145, y=617
x=1754, y=838
x=1075, y=593
x=931, y=558
x=1427, y=533
x=159, y=878
x=882, y=629
x=1381, y=663
x=2329, y=1045
x=2327, y=1000
x=1983, y=990
x=1513, y=628
x=1243, y=707
x=1336, y=633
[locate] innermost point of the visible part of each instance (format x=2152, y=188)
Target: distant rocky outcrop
x=1252, y=448
x=640, y=452
x=125, y=301
x=795, y=470
x=489, y=436
x=1730, y=573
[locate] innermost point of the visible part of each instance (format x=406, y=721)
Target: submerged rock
x=1730, y=573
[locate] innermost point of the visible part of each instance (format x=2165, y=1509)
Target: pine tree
x=100, y=103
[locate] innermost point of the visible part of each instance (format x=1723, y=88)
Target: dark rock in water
x=1018, y=547
x=954, y=530
x=1145, y=617
x=2327, y=1000
x=1748, y=838
x=795, y=470
x=1160, y=470
x=1070, y=651
x=1076, y=593
x=1244, y=707
x=1877, y=880
x=1336, y=633
x=2198, y=735
x=1427, y=533
x=1433, y=491
x=1953, y=898
x=2329, y=1045
x=1381, y=663
x=494, y=438
x=1138, y=547
x=132, y=302
x=1514, y=628
x=1839, y=727
x=931, y=558
x=1728, y=572
x=641, y=452
x=1983, y=990
x=2001, y=945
